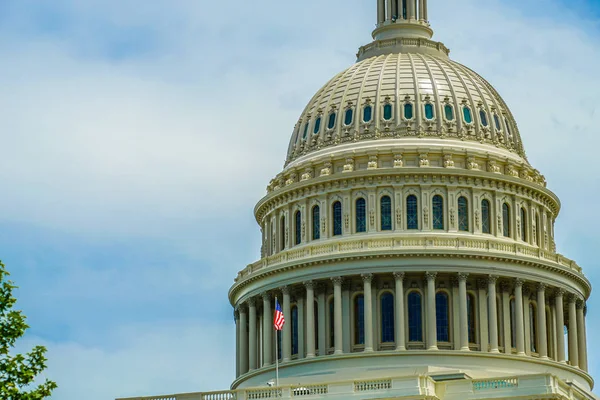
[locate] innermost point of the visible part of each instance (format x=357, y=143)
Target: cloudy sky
x=136, y=137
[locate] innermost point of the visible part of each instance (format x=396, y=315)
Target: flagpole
x=276, y=352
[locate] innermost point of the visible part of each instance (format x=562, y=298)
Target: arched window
x=438, y=212
x=415, y=317
x=408, y=111
x=486, y=227
x=513, y=322
x=506, y=220
x=317, y=127
x=298, y=233
x=387, y=318
x=412, y=212
x=533, y=327
x=497, y=122
x=359, y=320
x=294, y=330
x=442, y=316
x=316, y=223
x=386, y=213
x=282, y=233
x=538, y=229
x=348, y=117
x=463, y=214
x=483, y=118
x=429, y=111
x=467, y=115
x=305, y=129
x=368, y=113
x=449, y=112
x=331, y=323
x=337, y=218
x=331, y=121
x=471, y=318
x=361, y=215
x=523, y=224
x=387, y=112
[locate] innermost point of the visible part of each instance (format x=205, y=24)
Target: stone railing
x=492, y=384
x=407, y=244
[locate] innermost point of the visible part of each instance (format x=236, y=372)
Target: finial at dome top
x=402, y=18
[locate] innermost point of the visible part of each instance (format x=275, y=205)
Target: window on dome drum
x=442, y=317
x=305, y=129
x=387, y=318
x=386, y=213
x=497, y=122
x=523, y=224
x=298, y=228
x=463, y=214
x=412, y=212
x=471, y=318
x=513, y=322
x=331, y=324
x=294, y=330
x=415, y=317
x=483, y=118
x=485, y=216
x=438, y=212
x=317, y=127
x=337, y=218
x=507, y=126
x=387, y=112
x=316, y=223
x=538, y=229
x=348, y=117
x=429, y=111
x=505, y=220
x=532, y=327
x=449, y=112
x=282, y=233
x=361, y=215
x=408, y=111
x=467, y=115
x=331, y=123
x=359, y=320
x=367, y=114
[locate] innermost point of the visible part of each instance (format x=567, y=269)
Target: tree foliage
x=18, y=372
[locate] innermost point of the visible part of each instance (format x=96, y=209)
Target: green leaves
x=18, y=373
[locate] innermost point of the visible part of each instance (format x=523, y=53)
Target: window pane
x=415, y=324
x=429, y=111
x=438, y=212
x=316, y=223
x=349, y=116
x=467, y=115
x=368, y=114
x=408, y=111
x=463, y=214
x=361, y=215
x=485, y=216
x=523, y=225
x=442, y=319
x=449, y=111
x=331, y=324
x=337, y=218
x=317, y=126
x=507, y=125
x=483, y=117
x=513, y=330
x=471, y=318
x=387, y=112
x=412, y=216
x=386, y=213
x=359, y=319
x=282, y=233
x=497, y=122
x=305, y=129
x=387, y=318
x=294, y=330
x=298, y=227
x=532, y=327
x=331, y=123
x=506, y=220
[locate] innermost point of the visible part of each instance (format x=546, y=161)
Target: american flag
x=278, y=319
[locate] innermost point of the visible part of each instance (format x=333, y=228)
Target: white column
x=368, y=311
x=526, y=320
x=337, y=314
x=519, y=321
x=493, y=313
x=322, y=312
x=560, y=326
x=425, y=17
x=301, y=326
x=238, y=328
x=581, y=343
x=267, y=330
x=390, y=13
x=506, y=317
x=431, y=316
x=286, y=339
x=573, y=345
x=421, y=8
x=310, y=319
x=483, y=315
x=411, y=10
x=253, y=340
x=380, y=11
x=346, y=312
x=464, y=322
x=542, y=347
x=400, y=335
x=243, y=367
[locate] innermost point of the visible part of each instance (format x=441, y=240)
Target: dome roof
x=410, y=91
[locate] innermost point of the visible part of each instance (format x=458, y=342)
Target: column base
x=338, y=352
x=522, y=354
x=310, y=356
x=401, y=348
x=434, y=348
x=465, y=349
x=368, y=350
x=285, y=360
x=495, y=351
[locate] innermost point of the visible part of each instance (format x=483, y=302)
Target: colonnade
x=480, y=318
x=392, y=10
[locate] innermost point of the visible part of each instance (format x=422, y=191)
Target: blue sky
x=137, y=137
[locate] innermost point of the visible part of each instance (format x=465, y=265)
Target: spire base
x=404, y=29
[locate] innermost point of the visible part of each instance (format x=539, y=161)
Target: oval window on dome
x=449, y=112
x=408, y=111
x=348, y=117
x=483, y=118
x=467, y=115
x=387, y=112
x=331, y=123
x=429, y=111
x=497, y=122
x=305, y=129
x=507, y=125
x=367, y=114
x=317, y=126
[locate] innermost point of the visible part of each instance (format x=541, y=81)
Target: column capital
x=251, y=302
x=580, y=304
x=541, y=287
x=559, y=292
x=337, y=280
x=367, y=277
x=526, y=291
x=236, y=313
x=454, y=281
x=573, y=298
x=430, y=275
x=285, y=289
x=399, y=276
x=482, y=283
x=266, y=296
x=504, y=286
x=492, y=279
x=309, y=284
x=519, y=282
x=462, y=276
